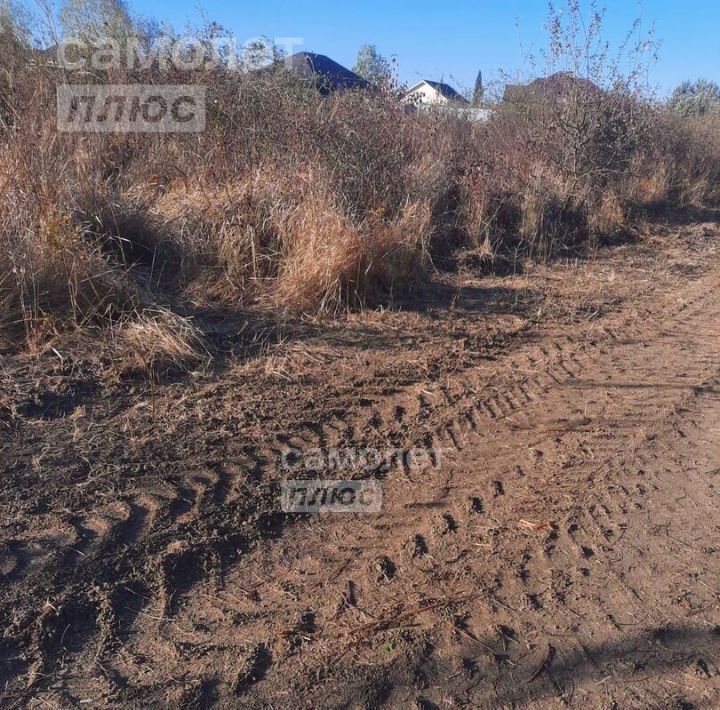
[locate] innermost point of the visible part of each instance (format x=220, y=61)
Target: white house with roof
x=429, y=95
x=434, y=93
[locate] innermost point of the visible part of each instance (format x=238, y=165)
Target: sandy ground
x=563, y=550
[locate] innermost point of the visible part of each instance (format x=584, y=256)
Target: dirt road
x=565, y=550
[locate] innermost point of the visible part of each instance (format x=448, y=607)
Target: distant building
x=437, y=96
x=434, y=93
x=556, y=86
x=327, y=75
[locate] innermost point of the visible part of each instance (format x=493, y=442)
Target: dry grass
x=49, y=272
x=157, y=340
x=327, y=261
x=287, y=239
x=295, y=203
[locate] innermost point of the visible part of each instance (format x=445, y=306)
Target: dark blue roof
x=446, y=90
x=326, y=73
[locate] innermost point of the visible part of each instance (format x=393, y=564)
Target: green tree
x=372, y=66
x=696, y=98
x=479, y=91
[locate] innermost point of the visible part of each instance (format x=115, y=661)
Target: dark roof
x=554, y=86
x=50, y=52
x=327, y=74
x=447, y=91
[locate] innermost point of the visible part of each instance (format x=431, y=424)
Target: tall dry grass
x=532, y=190
x=288, y=201
x=288, y=239
x=295, y=203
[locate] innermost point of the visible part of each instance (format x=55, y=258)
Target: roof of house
x=553, y=86
x=443, y=89
x=328, y=74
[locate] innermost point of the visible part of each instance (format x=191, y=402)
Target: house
x=327, y=75
x=557, y=86
x=434, y=93
x=437, y=96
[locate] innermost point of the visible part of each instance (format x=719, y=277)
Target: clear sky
x=452, y=40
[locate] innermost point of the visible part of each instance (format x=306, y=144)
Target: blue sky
x=440, y=40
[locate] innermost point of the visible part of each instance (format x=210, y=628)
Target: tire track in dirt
x=585, y=540
x=464, y=407
x=580, y=537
